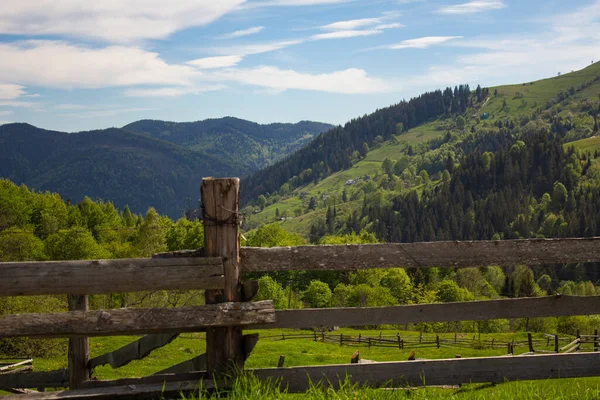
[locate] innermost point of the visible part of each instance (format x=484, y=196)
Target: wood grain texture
x=220, y=202
x=533, y=307
x=171, y=390
x=24, y=380
x=133, y=321
x=439, y=372
x=133, y=351
x=79, y=347
x=109, y=276
x=152, y=379
x=431, y=254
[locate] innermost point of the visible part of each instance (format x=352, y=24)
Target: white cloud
x=215, y=62
x=244, y=32
x=69, y=106
x=389, y=26
x=106, y=112
x=11, y=91
x=345, y=34
x=421, y=43
x=257, y=48
x=271, y=3
x=171, y=91
x=16, y=103
x=351, y=24
x=472, y=7
x=119, y=21
x=63, y=65
x=349, y=81
x=4, y=113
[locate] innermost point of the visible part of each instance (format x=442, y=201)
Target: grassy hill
x=567, y=101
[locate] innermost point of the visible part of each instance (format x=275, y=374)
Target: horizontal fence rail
x=533, y=307
x=132, y=321
x=110, y=276
x=439, y=372
x=24, y=380
x=429, y=254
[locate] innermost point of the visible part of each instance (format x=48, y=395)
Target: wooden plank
x=79, y=347
x=438, y=372
x=133, y=321
x=220, y=202
x=109, y=276
x=152, y=379
x=432, y=254
x=533, y=307
x=134, y=350
x=24, y=380
x=149, y=391
x=11, y=366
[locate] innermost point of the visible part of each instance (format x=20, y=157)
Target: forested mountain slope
x=144, y=169
x=253, y=145
x=113, y=164
x=502, y=169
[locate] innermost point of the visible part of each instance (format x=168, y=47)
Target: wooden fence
x=216, y=268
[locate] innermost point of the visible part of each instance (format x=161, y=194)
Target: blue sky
x=78, y=65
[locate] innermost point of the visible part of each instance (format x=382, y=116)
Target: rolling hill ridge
x=135, y=165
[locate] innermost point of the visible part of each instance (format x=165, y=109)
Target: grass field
x=590, y=144
x=308, y=352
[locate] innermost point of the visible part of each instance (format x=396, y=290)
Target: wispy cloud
x=68, y=106
x=345, y=34
x=171, y=91
x=351, y=24
x=472, y=7
x=256, y=48
x=111, y=21
x=215, y=62
x=289, y=3
x=421, y=43
x=106, y=112
x=389, y=26
x=244, y=32
x=4, y=113
x=17, y=103
x=348, y=81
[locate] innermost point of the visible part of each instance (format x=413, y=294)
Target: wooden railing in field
x=217, y=267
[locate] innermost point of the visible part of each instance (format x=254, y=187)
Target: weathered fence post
x=79, y=347
x=556, y=348
x=530, y=342
x=437, y=341
x=595, y=339
x=281, y=361
x=220, y=202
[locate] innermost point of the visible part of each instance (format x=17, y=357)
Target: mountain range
x=146, y=163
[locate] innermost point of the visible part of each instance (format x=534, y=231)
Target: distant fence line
x=435, y=341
